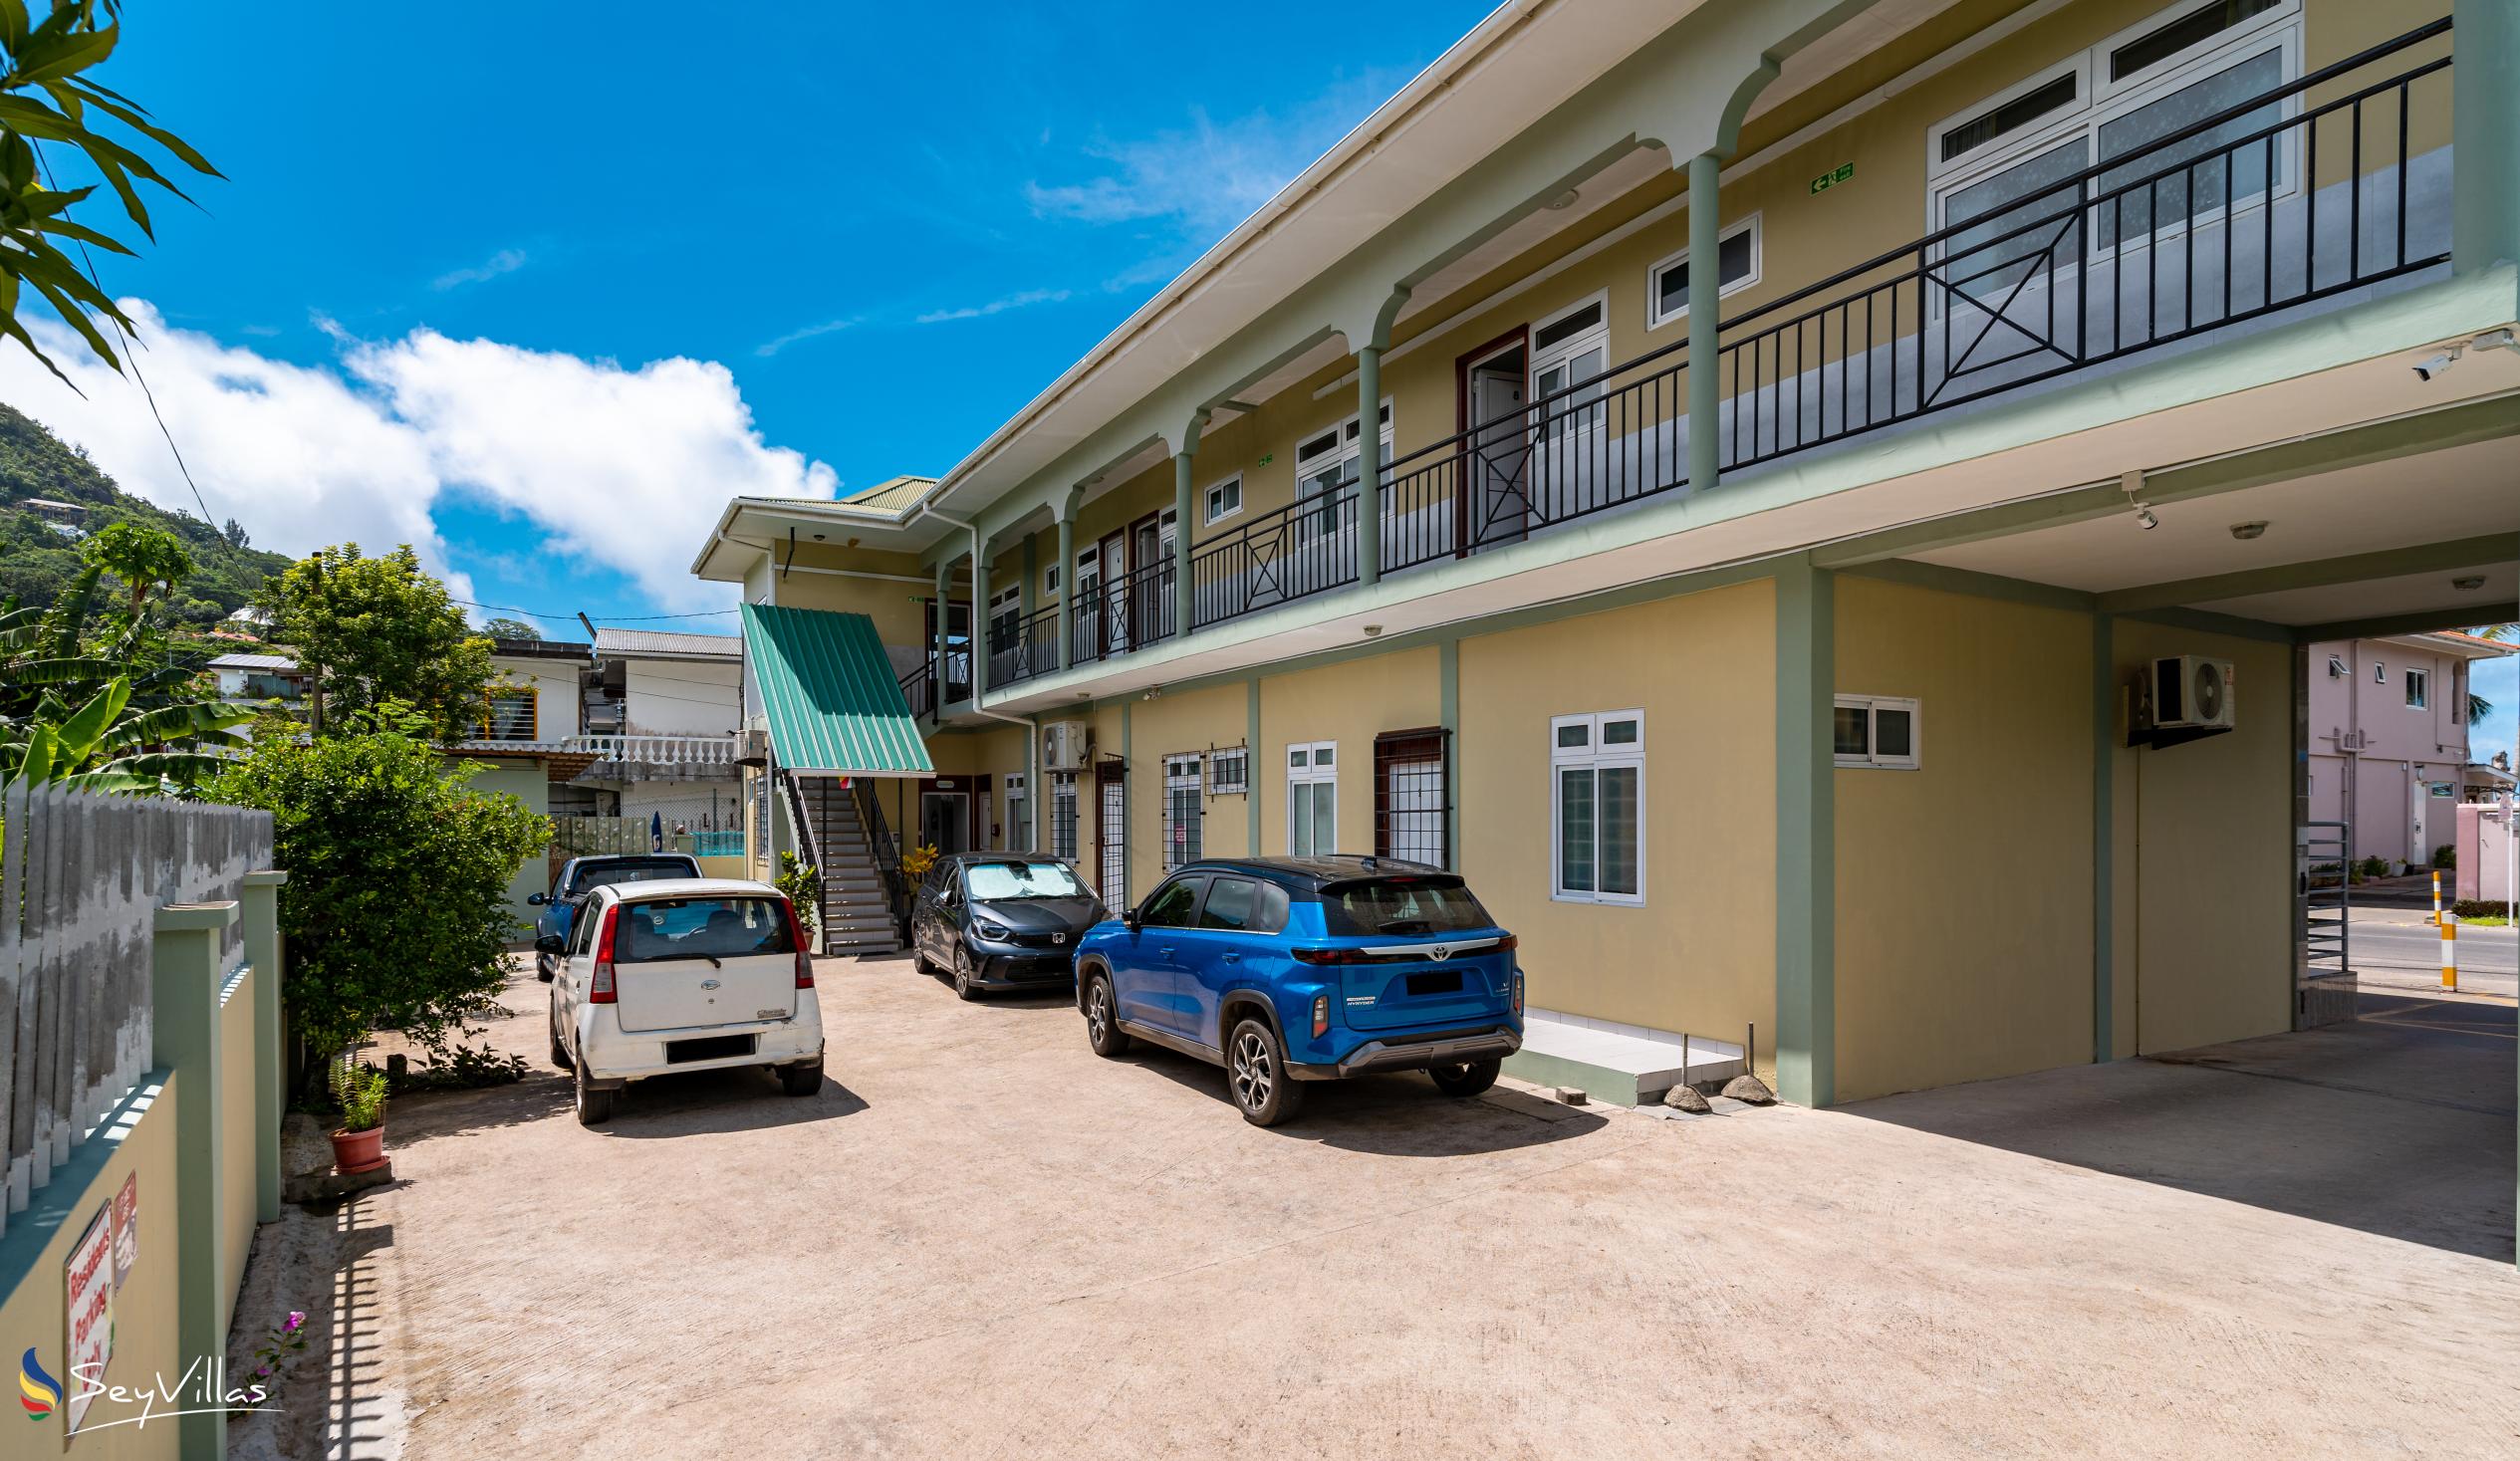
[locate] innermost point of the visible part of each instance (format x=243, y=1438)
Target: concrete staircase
x=855, y=916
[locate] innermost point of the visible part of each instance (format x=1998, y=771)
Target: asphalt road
x=2387, y=948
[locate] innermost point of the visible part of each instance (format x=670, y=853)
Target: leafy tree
x=234, y=533
x=2479, y=707
x=395, y=909
x=116, y=715
x=511, y=629
x=45, y=97
x=374, y=629
x=142, y=556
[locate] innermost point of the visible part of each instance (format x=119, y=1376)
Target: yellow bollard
x=2437, y=897
x=2449, y=951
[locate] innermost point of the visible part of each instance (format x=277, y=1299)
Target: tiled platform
x=1625, y=1065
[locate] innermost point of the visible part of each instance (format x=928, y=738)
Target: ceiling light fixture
x=1561, y=201
x=1373, y=631
x=2131, y=482
x=2468, y=584
x=2248, y=532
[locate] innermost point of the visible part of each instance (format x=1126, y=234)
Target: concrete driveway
x=979, y=1241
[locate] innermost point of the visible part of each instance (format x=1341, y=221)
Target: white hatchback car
x=684, y=974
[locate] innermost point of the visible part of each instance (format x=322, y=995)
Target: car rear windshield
x=606, y=875
x=997, y=882
x=700, y=928
x=1401, y=905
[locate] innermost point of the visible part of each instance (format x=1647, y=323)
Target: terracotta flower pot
x=358, y=1152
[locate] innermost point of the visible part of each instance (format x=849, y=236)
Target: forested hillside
x=37, y=556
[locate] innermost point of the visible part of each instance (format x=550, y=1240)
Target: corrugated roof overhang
x=828, y=692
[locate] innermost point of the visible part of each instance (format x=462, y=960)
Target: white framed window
x=1311, y=799
x=1596, y=803
x=1570, y=346
x=1229, y=772
x=1326, y=467
x=1878, y=730
x=1049, y=579
x=1224, y=498
x=2418, y=688
x=1738, y=257
x=1999, y=164
x=2380, y=671
x=1019, y=830
x=1183, y=809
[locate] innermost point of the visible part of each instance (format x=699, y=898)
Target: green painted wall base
x=1614, y=1088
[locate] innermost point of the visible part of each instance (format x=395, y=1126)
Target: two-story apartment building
x=1722, y=643
x=2388, y=739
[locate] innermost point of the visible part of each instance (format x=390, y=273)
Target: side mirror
x=1129, y=919
x=537, y=899
x=551, y=944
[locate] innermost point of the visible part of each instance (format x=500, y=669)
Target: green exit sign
x=1842, y=172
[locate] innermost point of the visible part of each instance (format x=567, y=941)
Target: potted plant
x=360, y=1145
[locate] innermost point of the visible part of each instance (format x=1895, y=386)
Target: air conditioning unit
x=752, y=748
x=2190, y=692
x=1067, y=745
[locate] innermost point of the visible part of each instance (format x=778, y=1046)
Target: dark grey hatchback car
x=1001, y=921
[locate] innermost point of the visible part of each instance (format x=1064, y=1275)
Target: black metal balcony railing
x=2225, y=220
x=2222, y=221
x=918, y=687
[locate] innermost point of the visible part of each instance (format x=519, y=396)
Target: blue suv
x=1291, y=970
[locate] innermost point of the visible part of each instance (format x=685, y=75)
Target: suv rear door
x=703, y=959
x=1415, y=951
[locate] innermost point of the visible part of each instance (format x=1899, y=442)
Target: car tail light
x=796, y=936
x=1518, y=991
x=1320, y=1015
x=1331, y=956
x=1505, y=945
x=600, y=991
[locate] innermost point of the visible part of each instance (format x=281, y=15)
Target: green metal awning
x=829, y=695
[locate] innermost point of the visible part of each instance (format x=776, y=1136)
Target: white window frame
x=2419, y=690
x=1187, y=772
x=1340, y=457
x=1015, y=826
x=1240, y=757
x=1207, y=499
x=1872, y=758
x=2098, y=100
x=1050, y=579
x=1753, y=225
x=1592, y=756
x=1311, y=774
x=2380, y=671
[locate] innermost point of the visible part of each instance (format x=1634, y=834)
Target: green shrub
x=803, y=884
x=2445, y=857
x=2481, y=908
x=395, y=911
x=2373, y=868
x=359, y=1090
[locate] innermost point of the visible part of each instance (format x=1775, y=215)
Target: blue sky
x=889, y=225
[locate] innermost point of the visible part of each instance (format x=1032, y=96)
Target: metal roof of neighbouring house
x=892, y=494
x=826, y=688
x=664, y=644
x=254, y=661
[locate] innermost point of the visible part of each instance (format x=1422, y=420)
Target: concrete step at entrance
x=1612, y=1063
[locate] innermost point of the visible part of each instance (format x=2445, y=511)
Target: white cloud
x=1209, y=175
x=624, y=468
x=772, y=347
x=505, y=261
x=995, y=307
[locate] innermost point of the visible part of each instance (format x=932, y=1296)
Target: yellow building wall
x=1700, y=954
x=1178, y=724
x=143, y=1310
x=888, y=587
x=239, y=1204
x=2203, y=858
x=1963, y=888
x=1351, y=703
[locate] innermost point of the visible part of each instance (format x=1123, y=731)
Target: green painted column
x=1251, y=761
x=2104, y=839
x=1705, y=272
x=185, y=1020
x=944, y=623
x=1449, y=711
x=261, y=917
x=1067, y=581
x=982, y=646
x=2484, y=118
x=1369, y=464
x=1806, y=833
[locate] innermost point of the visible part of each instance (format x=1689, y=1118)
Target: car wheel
x=1256, y=1075
x=1467, y=1080
x=595, y=1108
x=963, y=988
x=560, y=1051
x=1102, y=1019
x=918, y=958
x=805, y=1078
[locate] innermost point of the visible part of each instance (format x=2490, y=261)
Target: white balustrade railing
x=659, y=750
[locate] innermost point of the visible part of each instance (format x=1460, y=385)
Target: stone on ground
x=1750, y=1090
x=1686, y=1099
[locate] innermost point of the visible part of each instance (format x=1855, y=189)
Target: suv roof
x=1316, y=870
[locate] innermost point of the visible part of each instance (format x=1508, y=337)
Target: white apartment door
x=2418, y=797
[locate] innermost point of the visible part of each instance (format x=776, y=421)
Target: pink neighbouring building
x=2388, y=739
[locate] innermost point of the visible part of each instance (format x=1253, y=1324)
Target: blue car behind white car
x=1287, y=971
